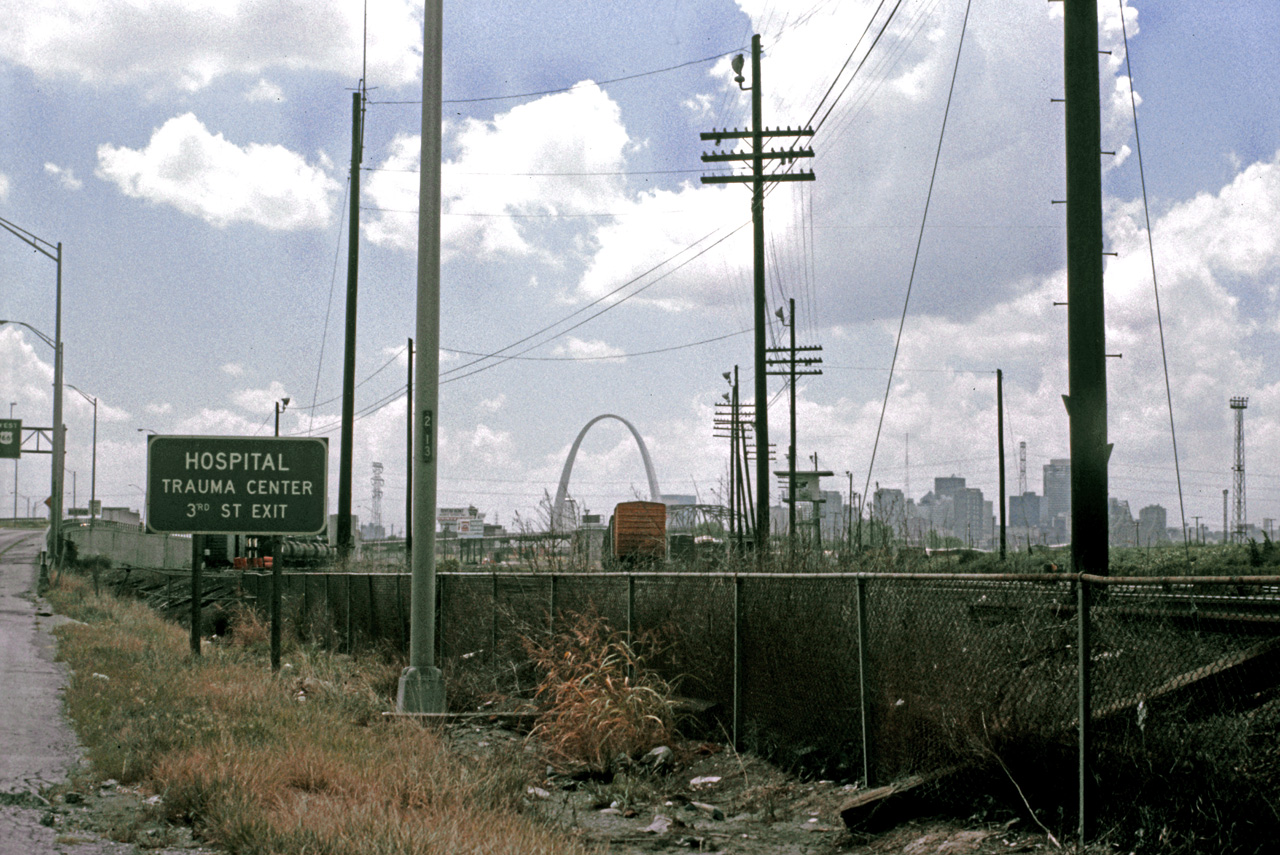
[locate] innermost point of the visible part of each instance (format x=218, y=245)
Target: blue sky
x=193, y=159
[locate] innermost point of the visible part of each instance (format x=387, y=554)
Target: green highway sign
x=237, y=485
x=10, y=438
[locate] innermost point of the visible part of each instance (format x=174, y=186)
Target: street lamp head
x=737, y=63
x=726, y=375
x=284, y=402
x=781, y=315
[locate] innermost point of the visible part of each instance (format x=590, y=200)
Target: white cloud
x=235, y=369
x=4, y=187
x=161, y=409
x=511, y=179
x=577, y=348
x=205, y=175
x=65, y=176
x=261, y=401
x=492, y=405
x=187, y=44
x=264, y=90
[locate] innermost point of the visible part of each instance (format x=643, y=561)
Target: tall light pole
x=93, y=472
x=59, y=439
x=54, y=252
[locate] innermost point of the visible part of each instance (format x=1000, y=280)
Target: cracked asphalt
x=37, y=745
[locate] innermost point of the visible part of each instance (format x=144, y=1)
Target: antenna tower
x=377, y=482
x=1237, y=522
x=1022, y=468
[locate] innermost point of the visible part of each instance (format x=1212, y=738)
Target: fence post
x=493, y=620
x=1085, y=710
x=400, y=633
x=306, y=603
x=864, y=703
x=551, y=618
x=373, y=611
x=351, y=641
x=277, y=594
x=737, y=662
x=631, y=617
x=196, y=560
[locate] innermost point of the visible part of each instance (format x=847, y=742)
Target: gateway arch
x=557, y=512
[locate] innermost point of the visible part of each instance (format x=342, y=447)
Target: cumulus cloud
x=577, y=348
x=264, y=90
x=4, y=187
x=235, y=369
x=205, y=175
x=260, y=400
x=161, y=409
x=509, y=178
x=188, y=44
x=65, y=176
x=492, y=405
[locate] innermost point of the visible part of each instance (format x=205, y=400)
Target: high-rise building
x=1024, y=511
x=971, y=522
x=947, y=486
x=891, y=509
x=1153, y=525
x=1056, y=509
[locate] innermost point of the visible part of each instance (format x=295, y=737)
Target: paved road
x=37, y=746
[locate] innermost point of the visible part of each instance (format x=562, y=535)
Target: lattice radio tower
x=377, y=482
x=1237, y=521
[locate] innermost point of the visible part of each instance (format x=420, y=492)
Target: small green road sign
x=10, y=438
x=237, y=485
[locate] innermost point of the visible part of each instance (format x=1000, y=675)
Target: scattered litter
x=539, y=792
x=152, y=800
x=661, y=824
x=710, y=810
x=98, y=676
x=659, y=758
x=704, y=780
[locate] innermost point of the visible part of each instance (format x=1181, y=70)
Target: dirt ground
x=703, y=797
x=698, y=797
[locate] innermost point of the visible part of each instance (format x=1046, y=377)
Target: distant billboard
x=237, y=485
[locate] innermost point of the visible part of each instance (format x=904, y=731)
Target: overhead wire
x=1155, y=283
x=919, y=241
x=557, y=91
x=324, y=335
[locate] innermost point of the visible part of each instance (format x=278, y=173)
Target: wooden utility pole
x=349, y=356
x=756, y=157
x=1086, y=332
x=408, y=467
x=791, y=373
x=1000, y=446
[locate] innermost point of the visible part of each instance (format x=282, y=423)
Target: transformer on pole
x=1238, y=517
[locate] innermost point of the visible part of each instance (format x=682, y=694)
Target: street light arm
x=88, y=398
x=35, y=242
x=42, y=336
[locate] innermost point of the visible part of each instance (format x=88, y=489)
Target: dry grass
x=600, y=698
x=298, y=762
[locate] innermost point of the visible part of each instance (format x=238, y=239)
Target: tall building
x=1153, y=525
x=1055, y=512
x=947, y=486
x=1024, y=511
x=972, y=518
x=891, y=509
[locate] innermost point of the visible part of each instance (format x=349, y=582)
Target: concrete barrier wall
x=130, y=545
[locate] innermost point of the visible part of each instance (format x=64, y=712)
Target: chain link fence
x=946, y=686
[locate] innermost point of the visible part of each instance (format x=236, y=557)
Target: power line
x=612, y=356
x=574, y=86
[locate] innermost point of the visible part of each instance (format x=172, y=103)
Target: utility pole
x=792, y=373
x=1000, y=445
x=349, y=356
x=737, y=420
x=421, y=686
x=756, y=157
x=1086, y=333
x=1226, y=531
x=408, y=466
